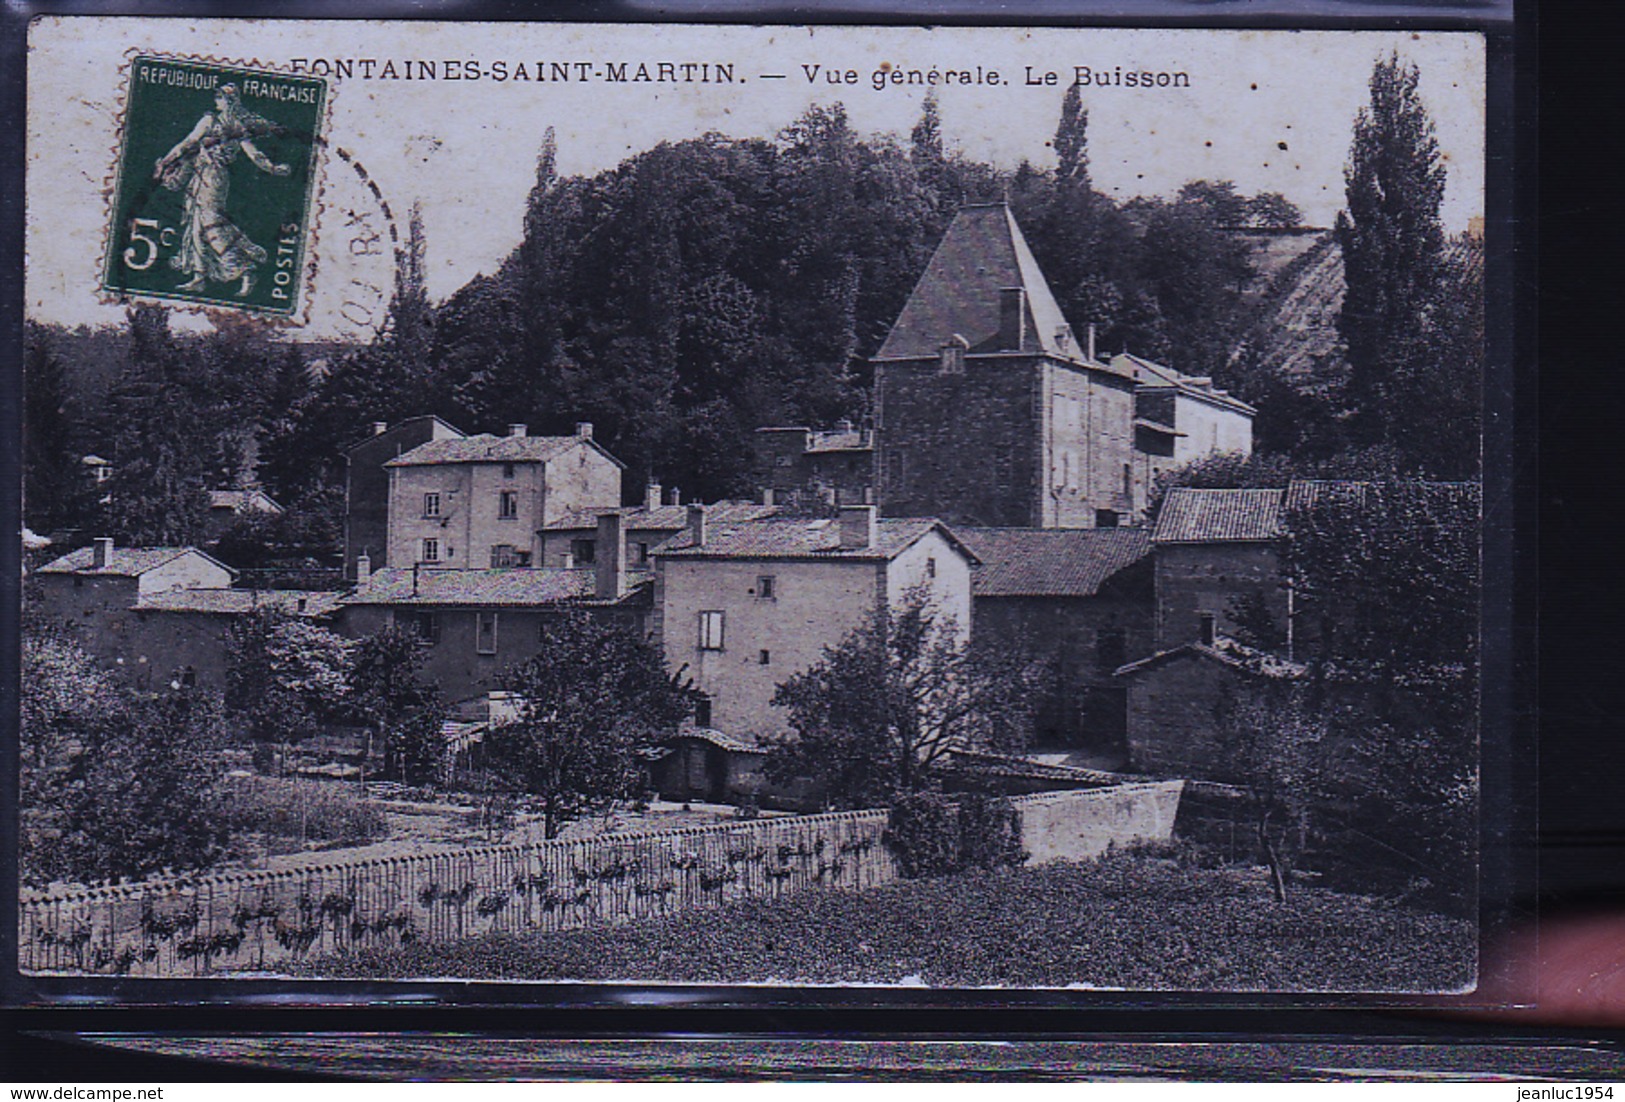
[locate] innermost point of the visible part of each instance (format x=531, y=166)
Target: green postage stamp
x=216, y=184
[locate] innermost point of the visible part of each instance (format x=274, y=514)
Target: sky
x=1271, y=110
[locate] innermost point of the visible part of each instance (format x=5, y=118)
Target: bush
x=924, y=834
x=295, y=809
x=989, y=833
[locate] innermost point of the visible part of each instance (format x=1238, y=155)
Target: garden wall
x=251, y=921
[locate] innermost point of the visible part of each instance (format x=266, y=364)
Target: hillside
x=1294, y=303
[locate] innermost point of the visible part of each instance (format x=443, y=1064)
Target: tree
x=1392, y=241
x=284, y=676
x=54, y=483
x=159, y=486
x=1272, y=210
x=879, y=713
x=113, y=785
x=595, y=695
x=398, y=706
x=1220, y=198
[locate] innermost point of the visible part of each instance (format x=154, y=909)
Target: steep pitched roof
x=125, y=562
x=1051, y=562
x=1192, y=515
x=238, y=602
x=486, y=448
x=662, y=518
x=1226, y=652
x=780, y=537
x=518, y=587
x=982, y=252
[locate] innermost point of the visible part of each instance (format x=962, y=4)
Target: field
x=1126, y=921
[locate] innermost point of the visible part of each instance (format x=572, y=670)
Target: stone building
x=741, y=606
x=157, y=615
x=483, y=501
x=1079, y=602
x=988, y=411
x=570, y=539
x=1181, y=418
x=1179, y=699
x=807, y=467
x=475, y=623
x=366, y=485
x=1218, y=556
x=226, y=507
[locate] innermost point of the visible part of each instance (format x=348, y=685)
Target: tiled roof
x=802, y=537
x=662, y=518
x=240, y=601
x=1191, y=515
x=1006, y=765
x=1316, y=493
x=437, y=425
x=128, y=562
x=518, y=587
x=486, y=448
x=238, y=500
x=740, y=744
x=1228, y=652
x=1051, y=562
x=1150, y=373
x=982, y=253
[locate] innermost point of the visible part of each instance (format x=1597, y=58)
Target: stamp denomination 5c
x=216, y=180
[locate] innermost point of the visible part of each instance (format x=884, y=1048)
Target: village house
x=1079, y=603
x=988, y=411
x=227, y=506
x=366, y=485
x=157, y=615
x=1218, y=556
x=1179, y=418
x=483, y=501
x=806, y=467
x=474, y=623
x=740, y=607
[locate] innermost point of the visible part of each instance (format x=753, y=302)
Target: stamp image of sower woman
x=212, y=247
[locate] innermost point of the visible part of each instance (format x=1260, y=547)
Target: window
x=503, y=554
x=426, y=625
x=1106, y=518
x=431, y=551
x=702, y=712
x=584, y=552
x=764, y=658
x=431, y=505
x=764, y=588
x=1128, y=481
x=507, y=470
x=931, y=568
x=508, y=505
x=711, y=630
x=485, y=633
x=188, y=677
x=640, y=554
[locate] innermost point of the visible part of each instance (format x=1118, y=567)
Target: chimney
x=696, y=525
x=651, y=495
x=380, y=427
x=767, y=495
x=676, y=496
x=518, y=430
x=102, y=554
x=1091, y=342
x=363, y=568
x=1012, y=319
x=610, y=583
x=1209, y=634
x=584, y=429
x=857, y=526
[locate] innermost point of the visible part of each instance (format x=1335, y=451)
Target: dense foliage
x=594, y=697
x=1121, y=922
x=883, y=709
x=113, y=785
x=285, y=676
x=386, y=693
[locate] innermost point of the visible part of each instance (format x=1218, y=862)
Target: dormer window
x=951, y=356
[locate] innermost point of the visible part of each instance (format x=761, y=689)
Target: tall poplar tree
x=1392, y=239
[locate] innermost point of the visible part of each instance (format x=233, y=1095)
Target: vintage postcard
x=753, y=505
